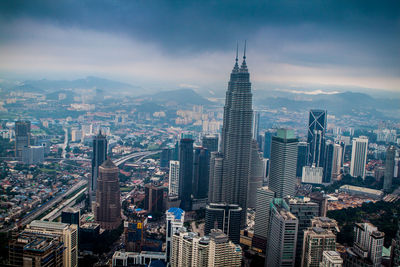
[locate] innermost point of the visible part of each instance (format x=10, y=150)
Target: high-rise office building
x=98, y=157
x=215, y=178
x=331, y=259
x=282, y=177
x=175, y=218
x=222, y=252
x=367, y=246
x=316, y=137
x=185, y=173
x=210, y=142
x=226, y=217
x=256, y=125
x=33, y=154
x=68, y=235
x=322, y=200
x=201, y=172
x=173, y=186
x=165, y=157
x=395, y=251
x=302, y=155
x=267, y=143
x=22, y=136
x=36, y=249
x=281, y=247
x=336, y=162
x=256, y=176
x=134, y=234
x=389, y=168
x=236, y=137
x=108, y=204
x=71, y=216
x=359, y=156
x=261, y=224
x=316, y=241
x=328, y=162
x=189, y=249
x=154, y=198
x=304, y=210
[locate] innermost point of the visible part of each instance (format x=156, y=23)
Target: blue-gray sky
x=167, y=44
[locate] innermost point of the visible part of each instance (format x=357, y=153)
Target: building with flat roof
x=331, y=259
x=175, y=218
x=316, y=241
x=363, y=191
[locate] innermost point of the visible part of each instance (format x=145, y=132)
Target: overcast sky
x=315, y=45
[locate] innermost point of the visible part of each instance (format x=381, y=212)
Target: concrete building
x=173, y=186
x=331, y=259
x=22, y=136
x=281, y=247
x=215, y=182
x=367, y=246
x=389, y=168
x=362, y=191
x=189, y=249
x=325, y=223
x=33, y=155
x=304, y=210
x=359, y=156
x=336, y=162
x=175, y=219
x=262, y=218
x=312, y=175
x=145, y=258
x=154, y=198
x=71, y=216
x=68, y=235
x=222, y=252
x=108, y=203
x=36, y=249
x=282, y=178
x=225, y=217
x=210, y=142
x=316, y=241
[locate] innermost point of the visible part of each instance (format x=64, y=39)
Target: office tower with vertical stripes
x=359, y=156
x=99, y=155
x=389, y=168
x=316, y=137
x=282, y=175
x=236, y=137
x=185, y=173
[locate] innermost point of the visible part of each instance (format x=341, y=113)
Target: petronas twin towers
x=230, y=186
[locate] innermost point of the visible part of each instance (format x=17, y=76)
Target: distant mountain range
x=178, y=97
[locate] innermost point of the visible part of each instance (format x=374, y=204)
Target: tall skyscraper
x=256, y=176
x=236, y=137
x=108, y=206
x=267, y=143
x=302, y=155
x=22, y=136
x=201, y=173
x=316, y=241
x=210, y=142
x=166, y=156
x=175, y=219
x=281, y=247
x=336, y=162
x=215, y=180
x=261, y=225
x=256, y=125
x=304, y=210
x=98, y=157
x=316, y=137
x=328, y=164
x=226, y=217
x=389, y=168
x=282, y=177
x=173, y=186
x=68, y=235
x=359, y=156
x=185, y=173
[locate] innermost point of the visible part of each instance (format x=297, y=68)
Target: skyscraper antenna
x=237, y=49
x=244, y=53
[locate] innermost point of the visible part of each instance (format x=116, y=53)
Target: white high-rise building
x=336, y=161
x=175, y=219
x=264, y=198
x=68, y=233
x=331, y=258
x=359, y=156
x=368, y=242
x=173, y=187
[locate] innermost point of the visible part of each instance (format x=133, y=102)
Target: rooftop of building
x=48, y=225
x=177, y=212
x=361, y=189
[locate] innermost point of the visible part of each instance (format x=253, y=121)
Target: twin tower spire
x=243, y=67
